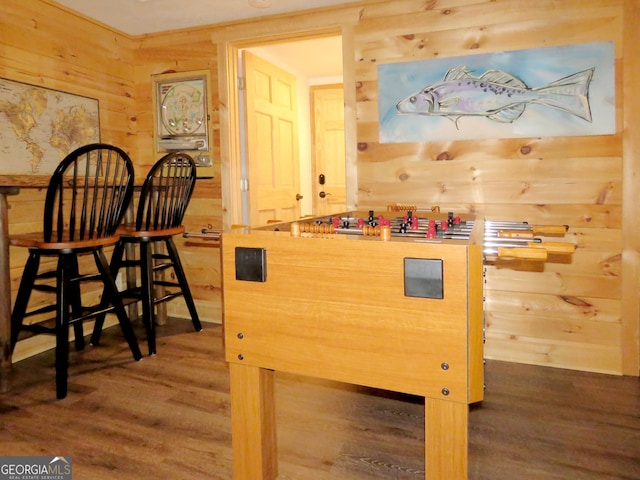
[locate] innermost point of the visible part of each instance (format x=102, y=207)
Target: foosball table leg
x=253, y=423
x=446, y=440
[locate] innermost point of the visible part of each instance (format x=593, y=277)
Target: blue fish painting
x=566, y=90
x=497, y=95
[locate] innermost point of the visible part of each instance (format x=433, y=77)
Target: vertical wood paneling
x=44, y=45
x=580, y=313
x=630, y=334
x=186, y=51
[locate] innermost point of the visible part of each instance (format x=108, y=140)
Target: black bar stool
x=162, y=204
x=85, y=202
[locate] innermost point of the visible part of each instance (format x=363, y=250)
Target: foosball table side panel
x=476, y=323
x=336, y=308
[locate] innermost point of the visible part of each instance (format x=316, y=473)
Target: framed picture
x=566, y=90
x=181, y=113
x=40, y=126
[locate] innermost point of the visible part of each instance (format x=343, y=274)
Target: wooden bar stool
x=85, y=202
x=163, y=201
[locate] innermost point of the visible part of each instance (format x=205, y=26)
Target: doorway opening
x=315, y=59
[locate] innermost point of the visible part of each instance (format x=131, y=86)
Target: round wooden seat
x=36, y=240
x=129, y=230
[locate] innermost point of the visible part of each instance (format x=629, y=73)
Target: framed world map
x=40, y=126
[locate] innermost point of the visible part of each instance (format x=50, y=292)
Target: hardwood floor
x=167, y=417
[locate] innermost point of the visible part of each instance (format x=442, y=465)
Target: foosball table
x=391, y=301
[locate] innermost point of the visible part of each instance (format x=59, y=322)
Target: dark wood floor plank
x=168, y=416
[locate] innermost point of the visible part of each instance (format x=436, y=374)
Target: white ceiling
x=317, y=60
x=137, y=17
x=314, y=59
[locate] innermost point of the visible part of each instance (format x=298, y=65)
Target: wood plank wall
x=580, y=314
x=566, y=314
x=45, y=46
x=186, y=51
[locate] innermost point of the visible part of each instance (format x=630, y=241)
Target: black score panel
x=423, y=278
x=251, y=264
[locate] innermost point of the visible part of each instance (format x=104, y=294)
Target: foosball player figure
x=431, y=231
x=415, y=223
x=372, y=221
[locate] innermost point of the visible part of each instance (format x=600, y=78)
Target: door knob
x=323, y=194
x=299, y=197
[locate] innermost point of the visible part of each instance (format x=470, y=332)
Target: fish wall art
x=556, y=91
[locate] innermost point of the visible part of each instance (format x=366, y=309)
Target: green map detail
x=43, y=127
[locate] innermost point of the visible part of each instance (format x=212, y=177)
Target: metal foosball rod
x=496, y=226
x=521, y=229
x=508, y=247
x=453, y=234
x=489, y=240
x=511, y=242
x=421, y=231
x=205, y=234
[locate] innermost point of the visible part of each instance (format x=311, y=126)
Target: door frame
x=231, y=116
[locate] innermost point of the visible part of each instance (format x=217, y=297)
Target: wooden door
x=328, y=149
x=272, y=142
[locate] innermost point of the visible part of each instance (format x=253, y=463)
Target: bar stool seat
x=129, y=230
x=85, y=202
x=36, y=240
